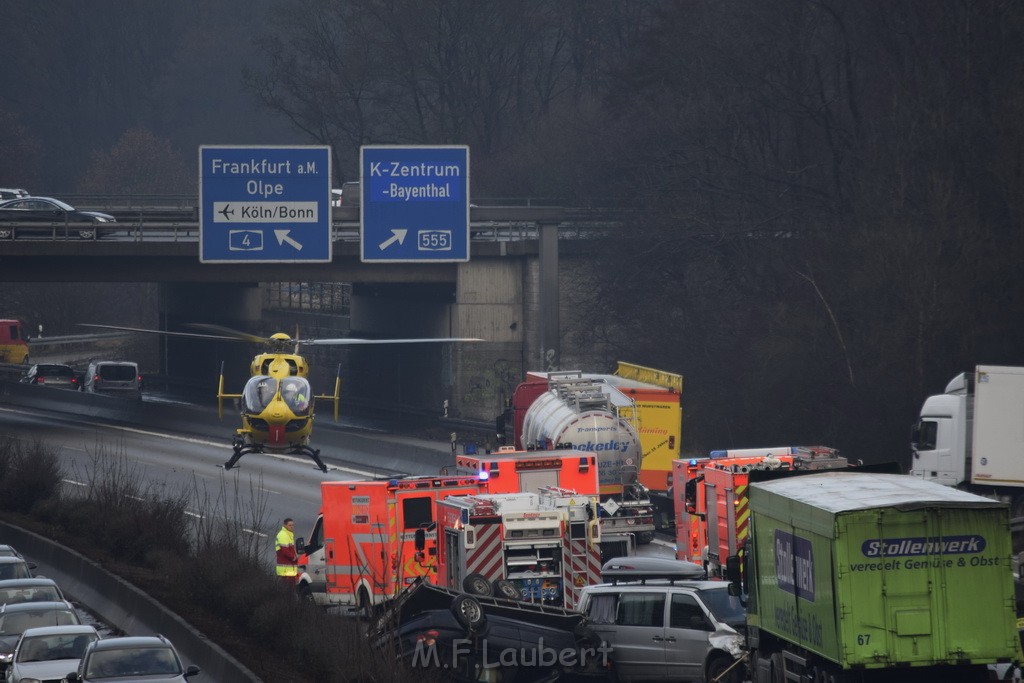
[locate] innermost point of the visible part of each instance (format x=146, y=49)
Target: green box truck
x=863, y=576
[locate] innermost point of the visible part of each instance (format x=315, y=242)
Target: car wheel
x=719, y=671
x=503, y=588
x=468, y=612
x=85, y=234
x=477, y=584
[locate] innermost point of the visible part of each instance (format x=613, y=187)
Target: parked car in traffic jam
x=36, y=589
x=13, y=567
x=52, y=375
x=48, y=653
x=55, y=214
x=16, y=619
x=131, y=659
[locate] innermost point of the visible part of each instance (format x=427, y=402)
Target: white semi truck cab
x=972, y=436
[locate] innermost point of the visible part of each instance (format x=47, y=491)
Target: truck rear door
x=415, y=510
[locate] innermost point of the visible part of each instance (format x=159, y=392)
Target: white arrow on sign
x=282, y=237
x=397, y=235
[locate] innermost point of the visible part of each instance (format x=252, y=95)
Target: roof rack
x=643, y=569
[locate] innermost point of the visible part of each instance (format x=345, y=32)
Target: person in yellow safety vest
x=287, y=559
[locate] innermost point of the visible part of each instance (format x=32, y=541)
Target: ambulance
x=544, y=544
x=510, y=471
x=372, y=538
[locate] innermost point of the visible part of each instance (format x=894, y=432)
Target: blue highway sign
x=264, y=204
x=415, y=204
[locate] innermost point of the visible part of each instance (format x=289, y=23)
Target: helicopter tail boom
x=337, y=393
x=221, y=395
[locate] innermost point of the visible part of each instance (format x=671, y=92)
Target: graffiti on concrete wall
x=489, y=383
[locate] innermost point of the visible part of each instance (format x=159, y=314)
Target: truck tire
x=477, y=584
x=468, y=612
x=503, y=588
x=644, y=537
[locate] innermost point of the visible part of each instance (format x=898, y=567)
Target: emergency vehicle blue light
x=484, y=475
x=719, y=454
x=393, y=482
x=693, y=461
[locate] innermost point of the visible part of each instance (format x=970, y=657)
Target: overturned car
x=480, y=637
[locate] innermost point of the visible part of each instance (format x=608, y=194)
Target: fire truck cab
x=372, y=538
x=545, y=544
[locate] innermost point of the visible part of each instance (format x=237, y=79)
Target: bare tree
x=139, y=163
x=435, y=72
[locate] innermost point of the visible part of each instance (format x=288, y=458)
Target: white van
x=114, y=377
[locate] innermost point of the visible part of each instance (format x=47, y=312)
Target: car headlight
x=6, y=657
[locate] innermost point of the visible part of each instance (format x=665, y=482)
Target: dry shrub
x=29, y=474
x=211, y=568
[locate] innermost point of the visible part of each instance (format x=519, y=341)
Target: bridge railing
x=102, y=202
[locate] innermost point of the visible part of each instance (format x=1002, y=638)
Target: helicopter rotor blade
x=354, y=341
x=192, y=335
x=237, y=335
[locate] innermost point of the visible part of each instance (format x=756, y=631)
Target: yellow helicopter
x=277, y=402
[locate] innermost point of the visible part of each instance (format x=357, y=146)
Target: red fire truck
x=512, y=471
x=544, y=544
x=711, y=510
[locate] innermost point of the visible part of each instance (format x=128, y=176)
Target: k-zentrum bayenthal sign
x=414, y=203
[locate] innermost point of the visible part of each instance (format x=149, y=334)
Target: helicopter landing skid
x=314, y=453
x=241, y=448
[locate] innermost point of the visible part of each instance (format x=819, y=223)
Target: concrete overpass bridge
x=508, y=293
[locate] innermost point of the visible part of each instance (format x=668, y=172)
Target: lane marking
x=201, y=442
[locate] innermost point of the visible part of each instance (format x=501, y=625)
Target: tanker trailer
x=590, y=415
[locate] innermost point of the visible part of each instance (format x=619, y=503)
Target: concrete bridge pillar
x=496, y=300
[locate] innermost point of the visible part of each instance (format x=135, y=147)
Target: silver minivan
x=114, y=377
x=663, y=630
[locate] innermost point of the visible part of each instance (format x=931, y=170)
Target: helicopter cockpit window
x=259, y=392
x=295, y=392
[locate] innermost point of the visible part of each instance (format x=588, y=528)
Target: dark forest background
x=830, y=193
